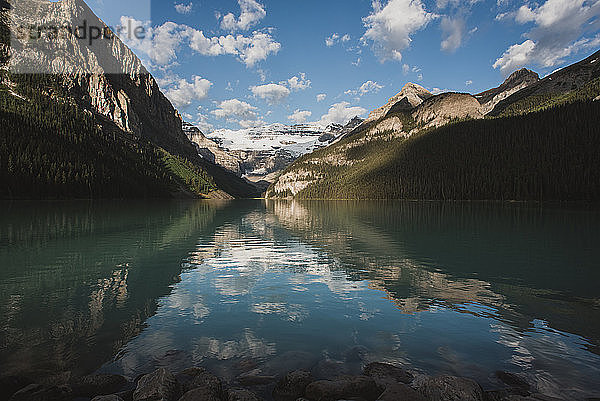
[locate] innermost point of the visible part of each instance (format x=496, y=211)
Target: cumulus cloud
x=336, y=38
x=300, y=116
x=162, y=43
x=341, y=113
x=321, y=97
x=184, y=8
x=560, y=29
x=299, y=83
x=272, y=93
x=251, y=13
x=367, y=87
x=182, y=93
x=391, y=27
x=249, y=50
x=453, y=30
x=235, y=110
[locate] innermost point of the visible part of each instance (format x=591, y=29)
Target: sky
x=244, y=63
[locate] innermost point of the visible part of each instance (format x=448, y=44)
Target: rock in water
x=112, y=397
x=200, y=378
x=400, y=392
x=43, y=392
x=90, y=386
x=516, y=383
x=11, y=384
x=351, y=387
x=450, y=388
x=241, y=395
x=160, y=385
x=385, y=374
x=200, y=394
x=292, y=386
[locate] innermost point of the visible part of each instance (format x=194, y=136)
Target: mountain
x=92, y=121
x=539, y=143
x=559, y=87
x=514, y=83
x=409, y=97
x=260, y=153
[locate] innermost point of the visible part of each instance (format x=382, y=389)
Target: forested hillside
x=88, y=135
x=542, y=146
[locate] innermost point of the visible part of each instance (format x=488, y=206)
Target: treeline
x=51, y=148
x=543, y=156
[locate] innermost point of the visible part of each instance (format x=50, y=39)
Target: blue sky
x=240, y=63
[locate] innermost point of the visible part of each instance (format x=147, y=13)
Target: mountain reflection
x=523, y=263
x=456, y=288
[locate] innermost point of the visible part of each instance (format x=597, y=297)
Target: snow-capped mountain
x=295, y=139
x=259, y=152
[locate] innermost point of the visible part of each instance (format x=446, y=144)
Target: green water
x=457, y=288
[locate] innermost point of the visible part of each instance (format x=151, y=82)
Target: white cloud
x=272, y=93
x=330, y=41
x=299, y=83
x=367, y=87
x=251, y=13
x=453, y=30
x=455, y=3
x=182, y=92
x=335, y=38
x=250, y=50
x=341, y=113
x=184, y=8
x=321, y=97
x=300, y=116
x=235, y=110
x=391, y=27
x=469, y=83
x=560, y=30
x=161, y=44
x=516, y=56
x=405, y=69
x=202, y=123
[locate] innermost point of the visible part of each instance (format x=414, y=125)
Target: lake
x=456, y=288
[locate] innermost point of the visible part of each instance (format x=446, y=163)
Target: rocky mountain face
x=563, y=81
x=211, y=151
x=515, y=82
x=413, y=111
x=104, y=77
x=409, y=97
x=261, y=153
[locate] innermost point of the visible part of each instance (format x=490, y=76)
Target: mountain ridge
x=363, y=163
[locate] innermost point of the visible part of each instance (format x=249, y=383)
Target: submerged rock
x=241, y=395
x=351, y=387
x=400, y=392
x=90, y=386
x=292, y=386
x=11, y=384
x=157, y=386
x=112, y=397
x=385, y=374
x=200, y=394
x=255, y=377
x=43, y=392
x=450, y=388
x=199, y=378
x=518, y=385
x=328, y=369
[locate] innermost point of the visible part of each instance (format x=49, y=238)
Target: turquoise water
x=457, y=288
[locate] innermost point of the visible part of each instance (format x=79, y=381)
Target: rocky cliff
x=409, y=97
x=103, y=77
x=515, y=82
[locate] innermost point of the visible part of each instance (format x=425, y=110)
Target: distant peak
x=522, y=73
x=411, y=85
